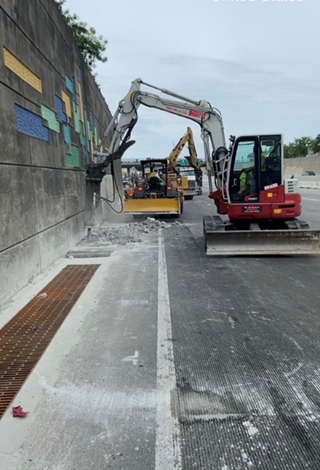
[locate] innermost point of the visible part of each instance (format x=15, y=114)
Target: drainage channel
x=26, y=336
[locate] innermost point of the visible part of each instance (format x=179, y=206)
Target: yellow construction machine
x=186, y=178
x=155, y=194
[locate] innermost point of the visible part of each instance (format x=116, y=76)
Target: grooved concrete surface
x=242, y=344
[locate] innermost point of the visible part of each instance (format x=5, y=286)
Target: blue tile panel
x=31, y=124
x=60, y=109
x=70, y=84
x=67, y=134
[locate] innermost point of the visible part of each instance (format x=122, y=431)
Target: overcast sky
x=257, y=61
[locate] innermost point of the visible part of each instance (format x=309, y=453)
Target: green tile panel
x=74, y=158
x=82, y=140
x=51, y=117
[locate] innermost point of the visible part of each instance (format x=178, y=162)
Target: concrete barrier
x=312, y=182
x=305, y=182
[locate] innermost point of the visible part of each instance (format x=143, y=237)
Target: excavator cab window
x=243, y=178
x=271, y=161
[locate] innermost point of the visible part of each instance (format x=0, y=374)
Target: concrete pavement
x=173, y=360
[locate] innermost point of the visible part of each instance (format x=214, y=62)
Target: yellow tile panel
x=21, y=70
x=67, y=102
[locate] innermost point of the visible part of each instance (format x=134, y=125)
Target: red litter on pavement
x=18, y=412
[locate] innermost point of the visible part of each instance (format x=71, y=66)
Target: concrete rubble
x=121, y=234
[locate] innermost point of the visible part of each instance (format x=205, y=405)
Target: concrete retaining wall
x=297, y=166
x=52, y=117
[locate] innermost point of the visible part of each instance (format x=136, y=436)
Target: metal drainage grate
x=24, y=339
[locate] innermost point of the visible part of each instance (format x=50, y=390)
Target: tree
x=299, y=148
x=315, y=145
x=302, y=146
x=91, y=46
x=289, y=150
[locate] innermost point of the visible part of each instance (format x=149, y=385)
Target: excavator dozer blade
x=261, y=242
x=161, y=206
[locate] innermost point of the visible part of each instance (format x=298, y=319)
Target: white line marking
x=168, y=452
x=133, y=359
x=309, y=199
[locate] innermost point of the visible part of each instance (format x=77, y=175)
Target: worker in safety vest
x=245, y=176
x=155, y=180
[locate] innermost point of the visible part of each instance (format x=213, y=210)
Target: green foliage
x=315, y=145
x=289, y=151
x=92, y=47
x=301, y=147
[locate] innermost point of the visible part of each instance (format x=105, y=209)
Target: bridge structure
x=126, y=165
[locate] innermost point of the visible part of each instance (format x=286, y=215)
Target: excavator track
x=296, y=238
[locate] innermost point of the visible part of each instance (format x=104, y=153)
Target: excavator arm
x=174, y=155
x=176, y=151
x=201, y=112
x=193, y=158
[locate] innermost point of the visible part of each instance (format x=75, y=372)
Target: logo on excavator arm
x=197, y=114
x=172, y=109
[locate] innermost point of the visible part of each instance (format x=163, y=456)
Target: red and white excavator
x=262, y=206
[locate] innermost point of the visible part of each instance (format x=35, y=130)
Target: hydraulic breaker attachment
x=295, y=240
x=96, y=171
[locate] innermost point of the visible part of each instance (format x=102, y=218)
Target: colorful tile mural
x=69, y=110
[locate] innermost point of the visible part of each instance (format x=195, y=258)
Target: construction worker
x=246, y=177
x=155, y=182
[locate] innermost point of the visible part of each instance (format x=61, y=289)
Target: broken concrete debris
x=121, y=234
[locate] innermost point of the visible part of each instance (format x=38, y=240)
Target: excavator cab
x=256, y=166
x=253, y=186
